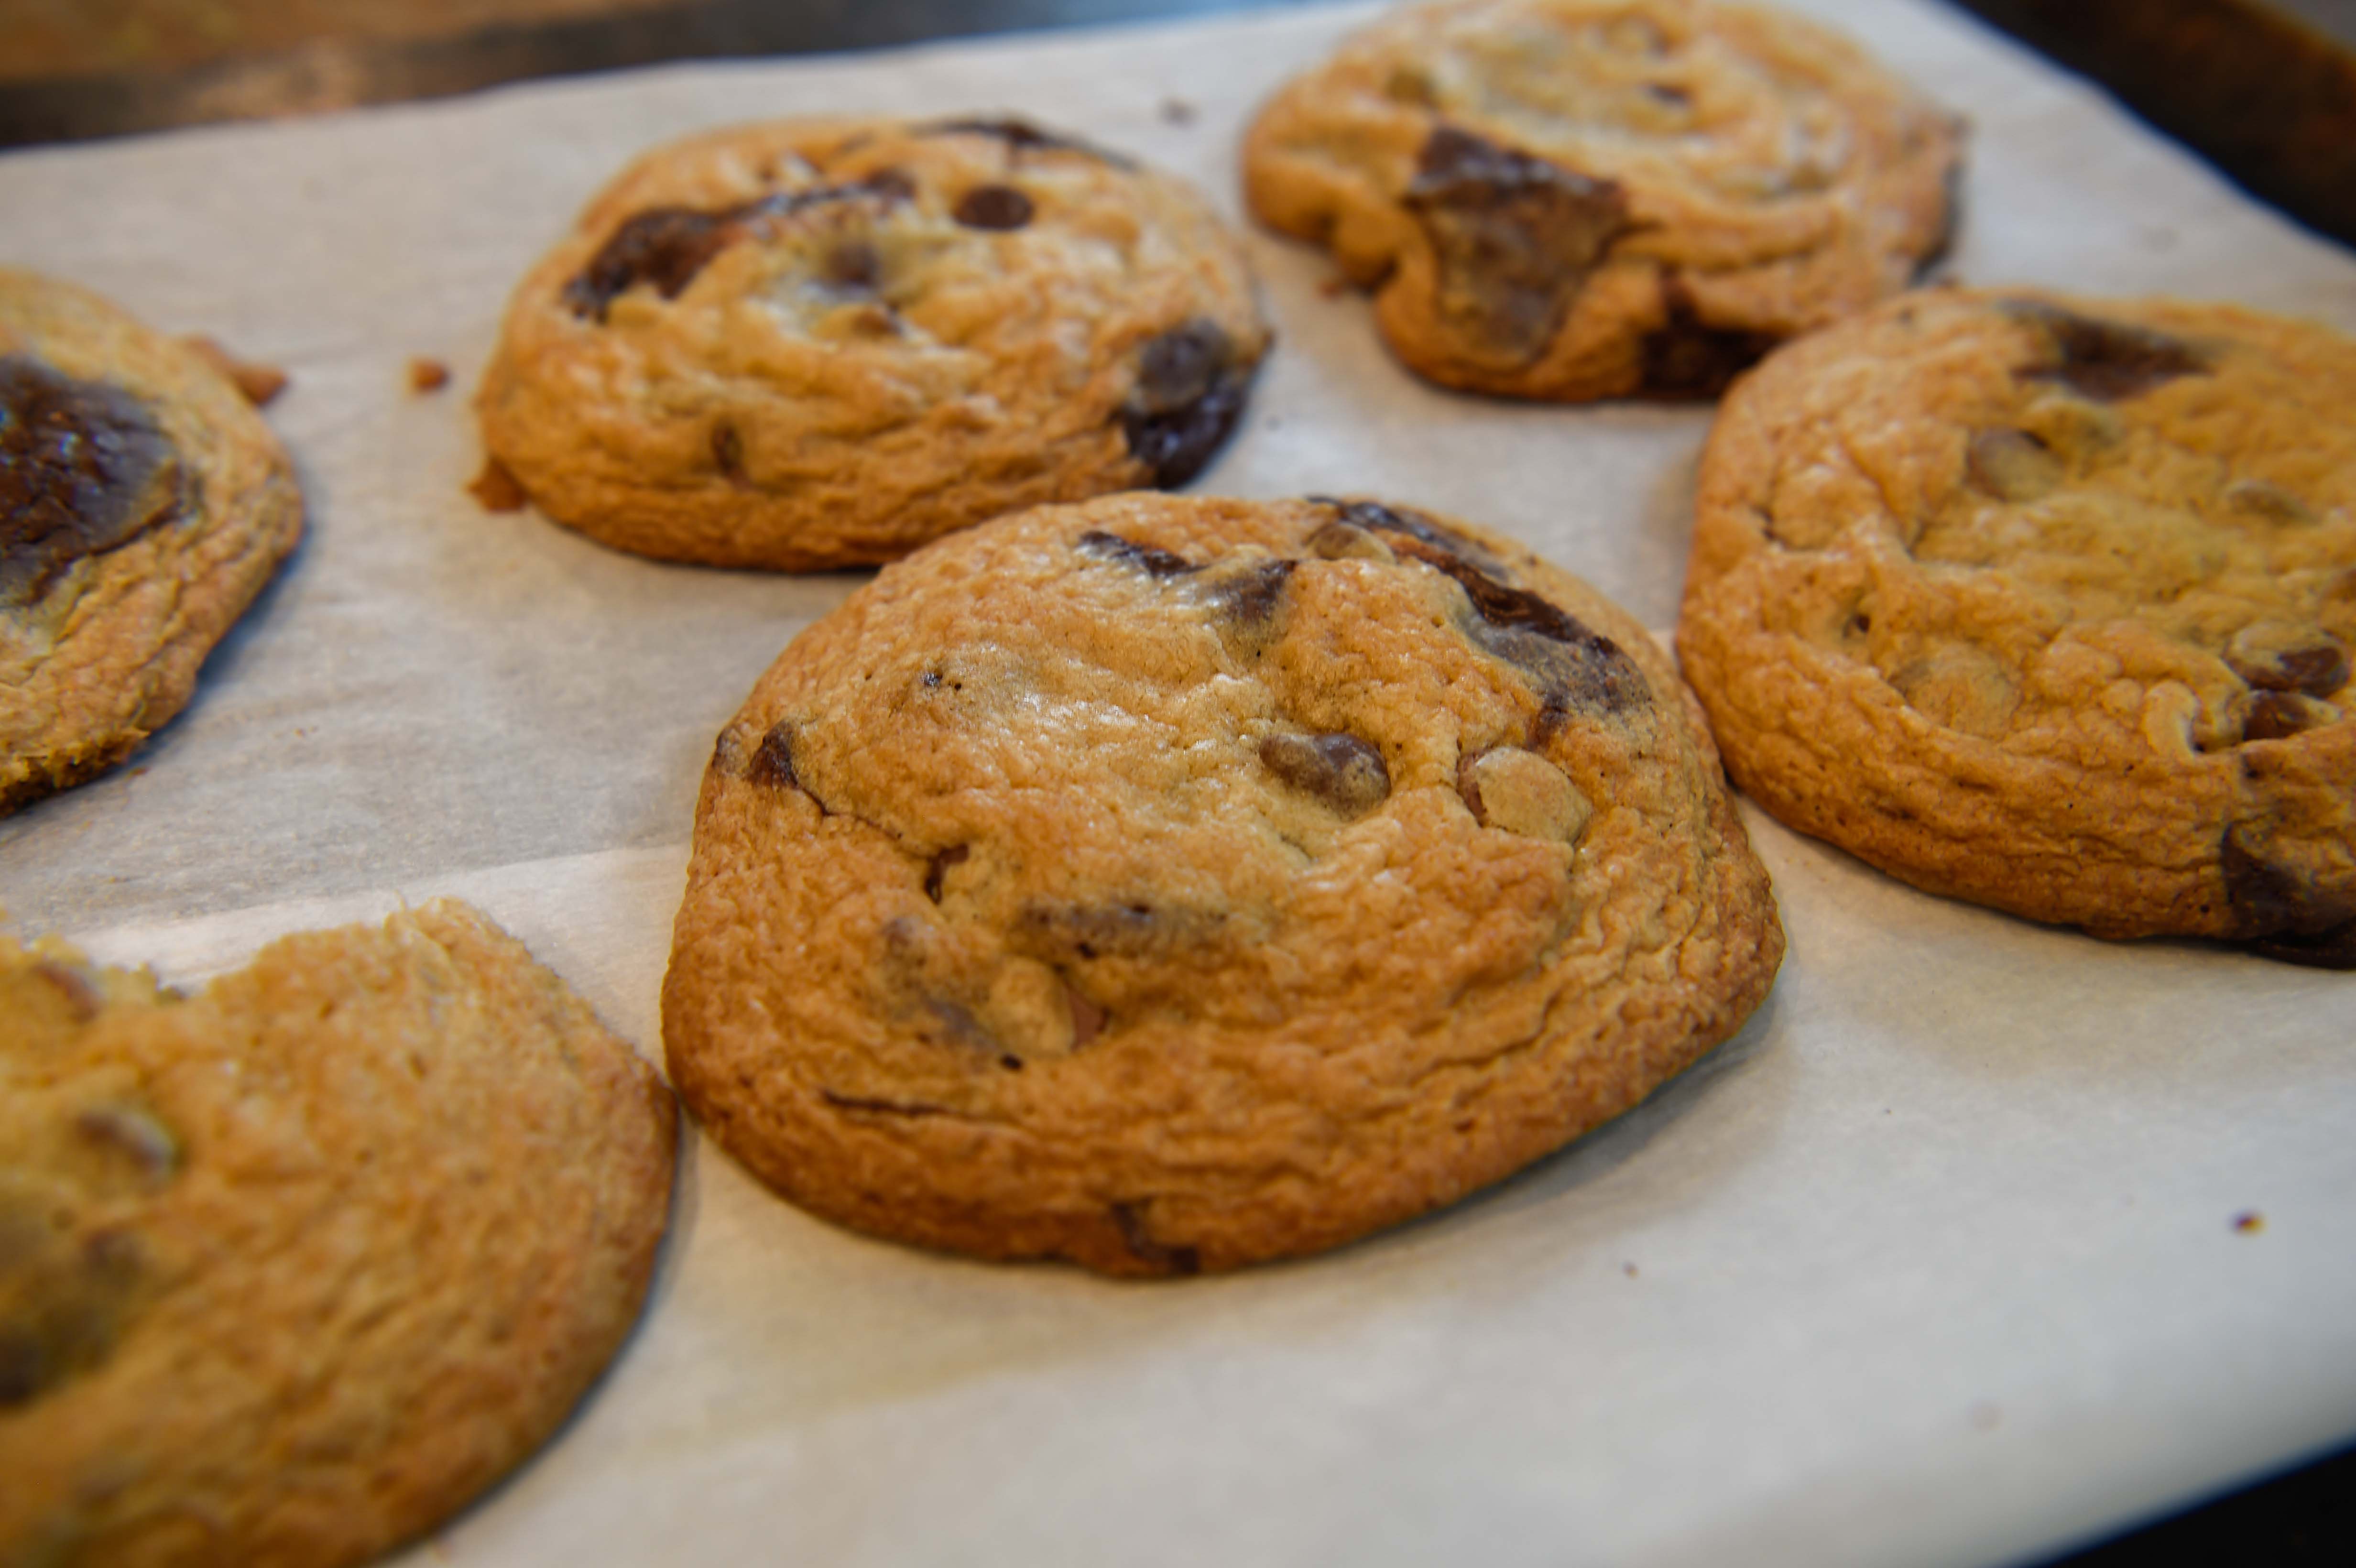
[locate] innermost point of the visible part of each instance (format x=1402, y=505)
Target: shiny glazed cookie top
x=83, y=467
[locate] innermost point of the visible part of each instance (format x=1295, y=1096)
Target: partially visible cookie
x=292, y=1268
x=143, y=505
x=2048, y=603
x=821, y=343
x=1167, y=883
x=1588, y=198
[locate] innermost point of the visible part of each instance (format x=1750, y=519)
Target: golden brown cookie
x=1586, y=199
x=2048, y=604
x=292, y=1268
x=143, y=505
x=822, y=343
x=1168, y=883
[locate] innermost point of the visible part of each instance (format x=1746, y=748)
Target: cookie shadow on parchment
x=1693, y=1135
x=1912, y=976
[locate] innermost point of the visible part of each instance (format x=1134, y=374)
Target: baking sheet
x=1937, y=1261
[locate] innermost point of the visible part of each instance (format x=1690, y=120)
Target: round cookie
x=143, y=505
x=2048, y=604
x=1586, y=199
x=292, y=1268
x=821, y=343
x=1170, y=883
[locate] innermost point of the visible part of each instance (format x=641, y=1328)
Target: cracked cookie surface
x=2048, y=603
x=1170, y=883
x=143, y=505
x=811, y=344
x=1588, y=198
x=293, y=1267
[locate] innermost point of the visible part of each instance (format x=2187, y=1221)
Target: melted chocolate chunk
x=2281, y=914
x=1020, y=136
x=879, y=1107
x=1685, y=358
x=939, y=867
x=1190, y=392
x=2105, y=361
x=2318, y=667
x=773, y=763
x=84, y=467
x=1145, y=558
x=728, y=453
x=1129, y=1219
x=1251, y=596
x=73, y=1303
x=1341, y=770
x=667, y=246
x=1377, y=518
x=2278, y=715
x=1515, y=236
x=1576, y=666
x=993, y=206
x=1059, y=930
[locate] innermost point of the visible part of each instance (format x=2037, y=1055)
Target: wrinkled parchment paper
x=1935, y=1262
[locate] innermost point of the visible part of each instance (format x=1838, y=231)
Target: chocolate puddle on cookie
x=84, y=467
x=1514, y=238
x=2107, y=361
x=1576, y=666
x=1190, y=392
x=669, y=246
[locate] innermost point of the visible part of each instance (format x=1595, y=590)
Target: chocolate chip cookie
x=143, y=505
x=822, y=343
x=1586, y=199
x=1170, y=883
x=293, y=1267
x=2048, y=603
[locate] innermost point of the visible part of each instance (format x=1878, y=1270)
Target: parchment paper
x=1935, y=1262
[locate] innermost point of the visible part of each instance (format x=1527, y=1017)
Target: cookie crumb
x=428, y=375
x=2249, y=1222
x=496, y=489
x=1628, y=1269
x=1177, y=112
x=260, y=383
x=1335, y=286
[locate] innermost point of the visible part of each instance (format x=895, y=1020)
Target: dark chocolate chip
x=1094, y=931
x=667, y=246
x=2278, y=715
x=773, y=763
x=939, y=867
x=84, y=467
x=2318, y=667
x=1190, y=392
x=1144, y=557
x=24, y=1365
x=1685, y=358
x=2282, y=914
x=728, y=451
x=1576, y=667
x=852, y=267
x=1515, y=237
x=1022, y=136
x=1377, y=518
x=874, y=1107
x=1129, y=1219
x=1341, y=770
x=1251, y=595
x=993, y=206
x=2105, y=361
